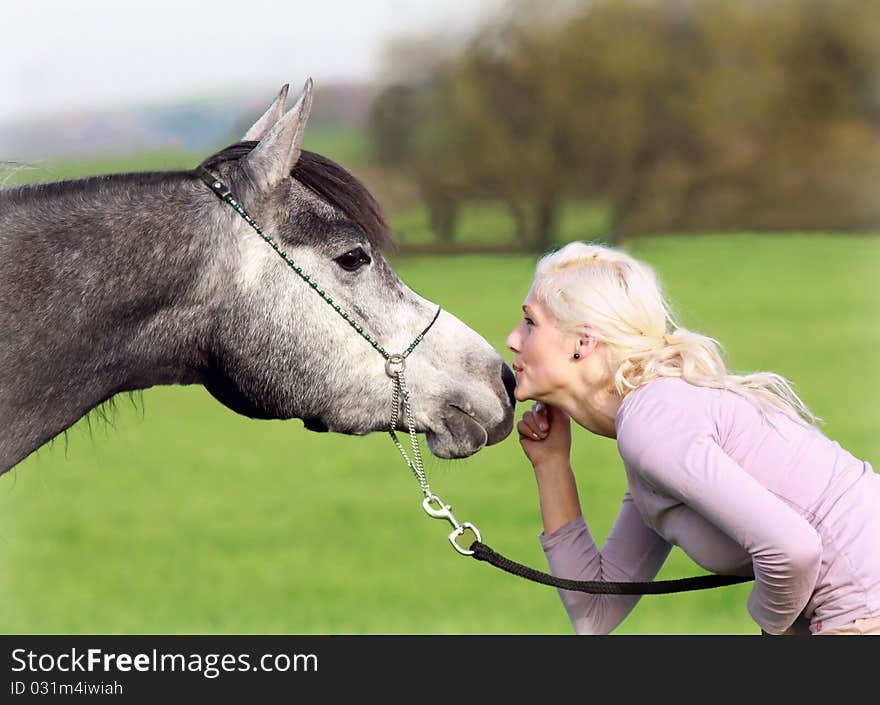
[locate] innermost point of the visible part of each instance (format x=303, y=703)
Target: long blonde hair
x=606, y=293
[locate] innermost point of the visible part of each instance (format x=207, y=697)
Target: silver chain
x=398, y=392
x=432, y=504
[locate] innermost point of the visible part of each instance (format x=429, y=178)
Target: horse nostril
x=509, y=380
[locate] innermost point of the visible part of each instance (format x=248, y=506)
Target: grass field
x=182, y=517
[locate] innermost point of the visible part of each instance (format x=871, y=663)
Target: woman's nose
x=513, y=340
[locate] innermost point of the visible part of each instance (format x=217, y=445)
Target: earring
x=576, y=356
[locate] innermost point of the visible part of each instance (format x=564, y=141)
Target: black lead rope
x=482, y=552
x=600, y=587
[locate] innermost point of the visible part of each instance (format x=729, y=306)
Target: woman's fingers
x=527, y=430
x=544, y=434
x=542, y=422
x=532, y=426
x=541, y=416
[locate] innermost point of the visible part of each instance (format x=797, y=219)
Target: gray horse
x=123, y=282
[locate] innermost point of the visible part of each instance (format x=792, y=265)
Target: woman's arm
x=557, y=494
x=545, y=437
x=632, y=551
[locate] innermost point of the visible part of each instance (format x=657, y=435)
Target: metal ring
x=395, y=359
x=458, y=532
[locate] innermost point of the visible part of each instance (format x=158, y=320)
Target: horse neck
x=98, y=295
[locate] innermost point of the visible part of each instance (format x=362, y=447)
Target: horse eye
x=353, y=259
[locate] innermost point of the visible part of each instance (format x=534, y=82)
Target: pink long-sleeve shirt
x=708, y=472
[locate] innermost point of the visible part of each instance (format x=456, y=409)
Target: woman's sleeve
x=632, y=553
x=786, y=551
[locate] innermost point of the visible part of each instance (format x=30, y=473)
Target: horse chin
x=315, y=424
x=459, y=437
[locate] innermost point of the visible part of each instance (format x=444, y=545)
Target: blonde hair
x=604, y=292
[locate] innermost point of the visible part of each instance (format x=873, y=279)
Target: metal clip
x=444, y=512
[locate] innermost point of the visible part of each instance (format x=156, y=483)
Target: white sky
x=70, y=54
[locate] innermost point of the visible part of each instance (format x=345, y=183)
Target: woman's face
x=543, y=352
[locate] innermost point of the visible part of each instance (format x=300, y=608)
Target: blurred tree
x=512, y=97
x=679, y=114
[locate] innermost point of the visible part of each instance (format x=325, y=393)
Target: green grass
x=347, y=147
x=42, y=170
x=190, y=519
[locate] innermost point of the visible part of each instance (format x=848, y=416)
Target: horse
x=121, y=282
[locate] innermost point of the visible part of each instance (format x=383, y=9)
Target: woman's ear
x=585, y=345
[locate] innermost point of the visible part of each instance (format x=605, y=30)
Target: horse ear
x=269, y=118
x=273, y=159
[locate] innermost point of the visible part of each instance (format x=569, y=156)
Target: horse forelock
x=332, y=184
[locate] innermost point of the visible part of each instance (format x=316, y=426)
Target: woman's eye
x=529, y=321
x=353, y=259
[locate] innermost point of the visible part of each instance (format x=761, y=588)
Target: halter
x=395, y=365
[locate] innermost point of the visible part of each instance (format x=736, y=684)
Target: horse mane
x=322, y=176
x=329, y=182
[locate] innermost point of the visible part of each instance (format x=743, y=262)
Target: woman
x=730, y=468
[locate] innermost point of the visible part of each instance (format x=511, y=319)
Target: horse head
x=278, y=351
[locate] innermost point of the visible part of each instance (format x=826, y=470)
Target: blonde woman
x=732, y=469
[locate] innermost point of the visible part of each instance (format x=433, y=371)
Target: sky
x=58, y=55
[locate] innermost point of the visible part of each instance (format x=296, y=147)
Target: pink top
x=707, y=472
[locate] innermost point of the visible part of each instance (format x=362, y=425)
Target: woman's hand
x=545, y=435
